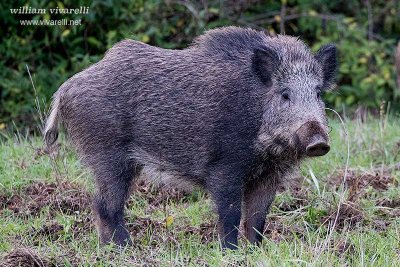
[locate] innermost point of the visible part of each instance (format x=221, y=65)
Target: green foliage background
x=365, y=32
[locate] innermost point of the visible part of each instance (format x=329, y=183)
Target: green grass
x=297, y=233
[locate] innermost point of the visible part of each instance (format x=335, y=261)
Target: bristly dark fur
x=223, y=114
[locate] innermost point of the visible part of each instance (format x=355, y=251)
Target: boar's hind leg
x=258, y=197
x=112, y=186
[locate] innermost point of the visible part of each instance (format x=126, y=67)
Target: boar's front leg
x=257, y=199
x=225, y=188
x=113, y=181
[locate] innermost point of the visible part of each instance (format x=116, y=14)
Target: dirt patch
x=207, y=231
x=143, y=228
x=26, y=257
x=63, y=197
x=388, y=208
x=297, y=202
x=357, y=181
x=12, y=203
x=390, y=203
x=343, y=247
x=69, y=198
x=276, y=229
x=142, y=224
x=53, y=230
x=3, y=202
x=148, y=232
x=83, y=226
x=349, y=216
x=380, y=225
x=159, y=195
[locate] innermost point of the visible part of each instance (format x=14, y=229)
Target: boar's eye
x=285, y=95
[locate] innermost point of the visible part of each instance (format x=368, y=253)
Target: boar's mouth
x=283, y=147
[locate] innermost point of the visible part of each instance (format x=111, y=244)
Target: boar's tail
x=51, y=128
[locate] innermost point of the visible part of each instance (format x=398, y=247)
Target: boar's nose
x=317, y=146
x=312, y=139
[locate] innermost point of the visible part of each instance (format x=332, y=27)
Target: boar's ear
x=327, y=57
x=265, y=62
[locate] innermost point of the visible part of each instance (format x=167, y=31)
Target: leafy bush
x=365, y=35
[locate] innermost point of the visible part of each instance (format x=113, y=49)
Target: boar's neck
x=269, y=166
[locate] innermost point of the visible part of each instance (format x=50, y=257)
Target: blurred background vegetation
x=365, y=31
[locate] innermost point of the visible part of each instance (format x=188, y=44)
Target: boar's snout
x=312, y=139
x=317, y=147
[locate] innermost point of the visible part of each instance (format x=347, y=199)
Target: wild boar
x=234, y=113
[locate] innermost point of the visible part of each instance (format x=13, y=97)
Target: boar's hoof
x=119, y=237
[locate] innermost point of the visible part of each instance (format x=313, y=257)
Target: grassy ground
x=45, y=215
